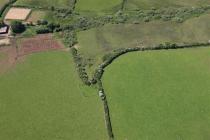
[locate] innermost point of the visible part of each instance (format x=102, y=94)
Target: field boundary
x=117, y=53
x=4, y=8
x=96, y=79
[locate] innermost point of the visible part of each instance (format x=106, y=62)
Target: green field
x=160, y=95
x=42, y=98
x=45, y=3
x=36, y=15
x=97, y=5
x=96, y=42
x=149, y=4
x=2, y=2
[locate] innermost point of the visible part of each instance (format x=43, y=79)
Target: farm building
x=4, y=29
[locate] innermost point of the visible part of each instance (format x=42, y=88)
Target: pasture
x=149, y=4
x=98, y=6
x=160, y=95
x=43, y=98
x=3, y=2
x=96, y=42
x=44, y=3
x=36, y=15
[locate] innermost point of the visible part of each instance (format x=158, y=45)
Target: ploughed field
x=160, y=95
x=43, y=98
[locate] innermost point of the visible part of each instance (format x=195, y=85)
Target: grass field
x=161, y=95
x=97, y=5
x=42, y=99
x=148, y=4
x=36, y=15
x=45, y=3
x=96, y=42
x=2, y=2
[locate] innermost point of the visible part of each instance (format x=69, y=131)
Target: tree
x=17, y=26
x=1, y=22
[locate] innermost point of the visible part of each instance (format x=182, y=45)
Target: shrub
x=42, y=30
x=17, y=26
x=1, y=22
x=70, y=38
x=4, y=7
x=42, y=22
x=80, y=67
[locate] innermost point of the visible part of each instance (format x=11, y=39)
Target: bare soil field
x=38, y=44
x=9, y=59
x=14, y=53
x=17, y=14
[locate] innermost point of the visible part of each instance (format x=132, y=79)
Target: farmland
x=38, y=44
x=149, y=4
x=97, y=6
x=44, y=3
x=1, y=56
x=160, y=95
x=42, y=98
x=2, y=2
x=96, y=42
x=36, y=15
x=105, y=70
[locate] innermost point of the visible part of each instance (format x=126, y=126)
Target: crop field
x=97, y=5
x=43, y=98
x=149, y=4
x=96, y=42
x=161, y=95
x=45, y=3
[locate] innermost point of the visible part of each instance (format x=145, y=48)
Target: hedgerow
x=109, y=58
x=5, y=6
x=80, y=67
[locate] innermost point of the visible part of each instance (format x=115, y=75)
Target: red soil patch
x=38, y=44
x=15, y=53
x=10, y=58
